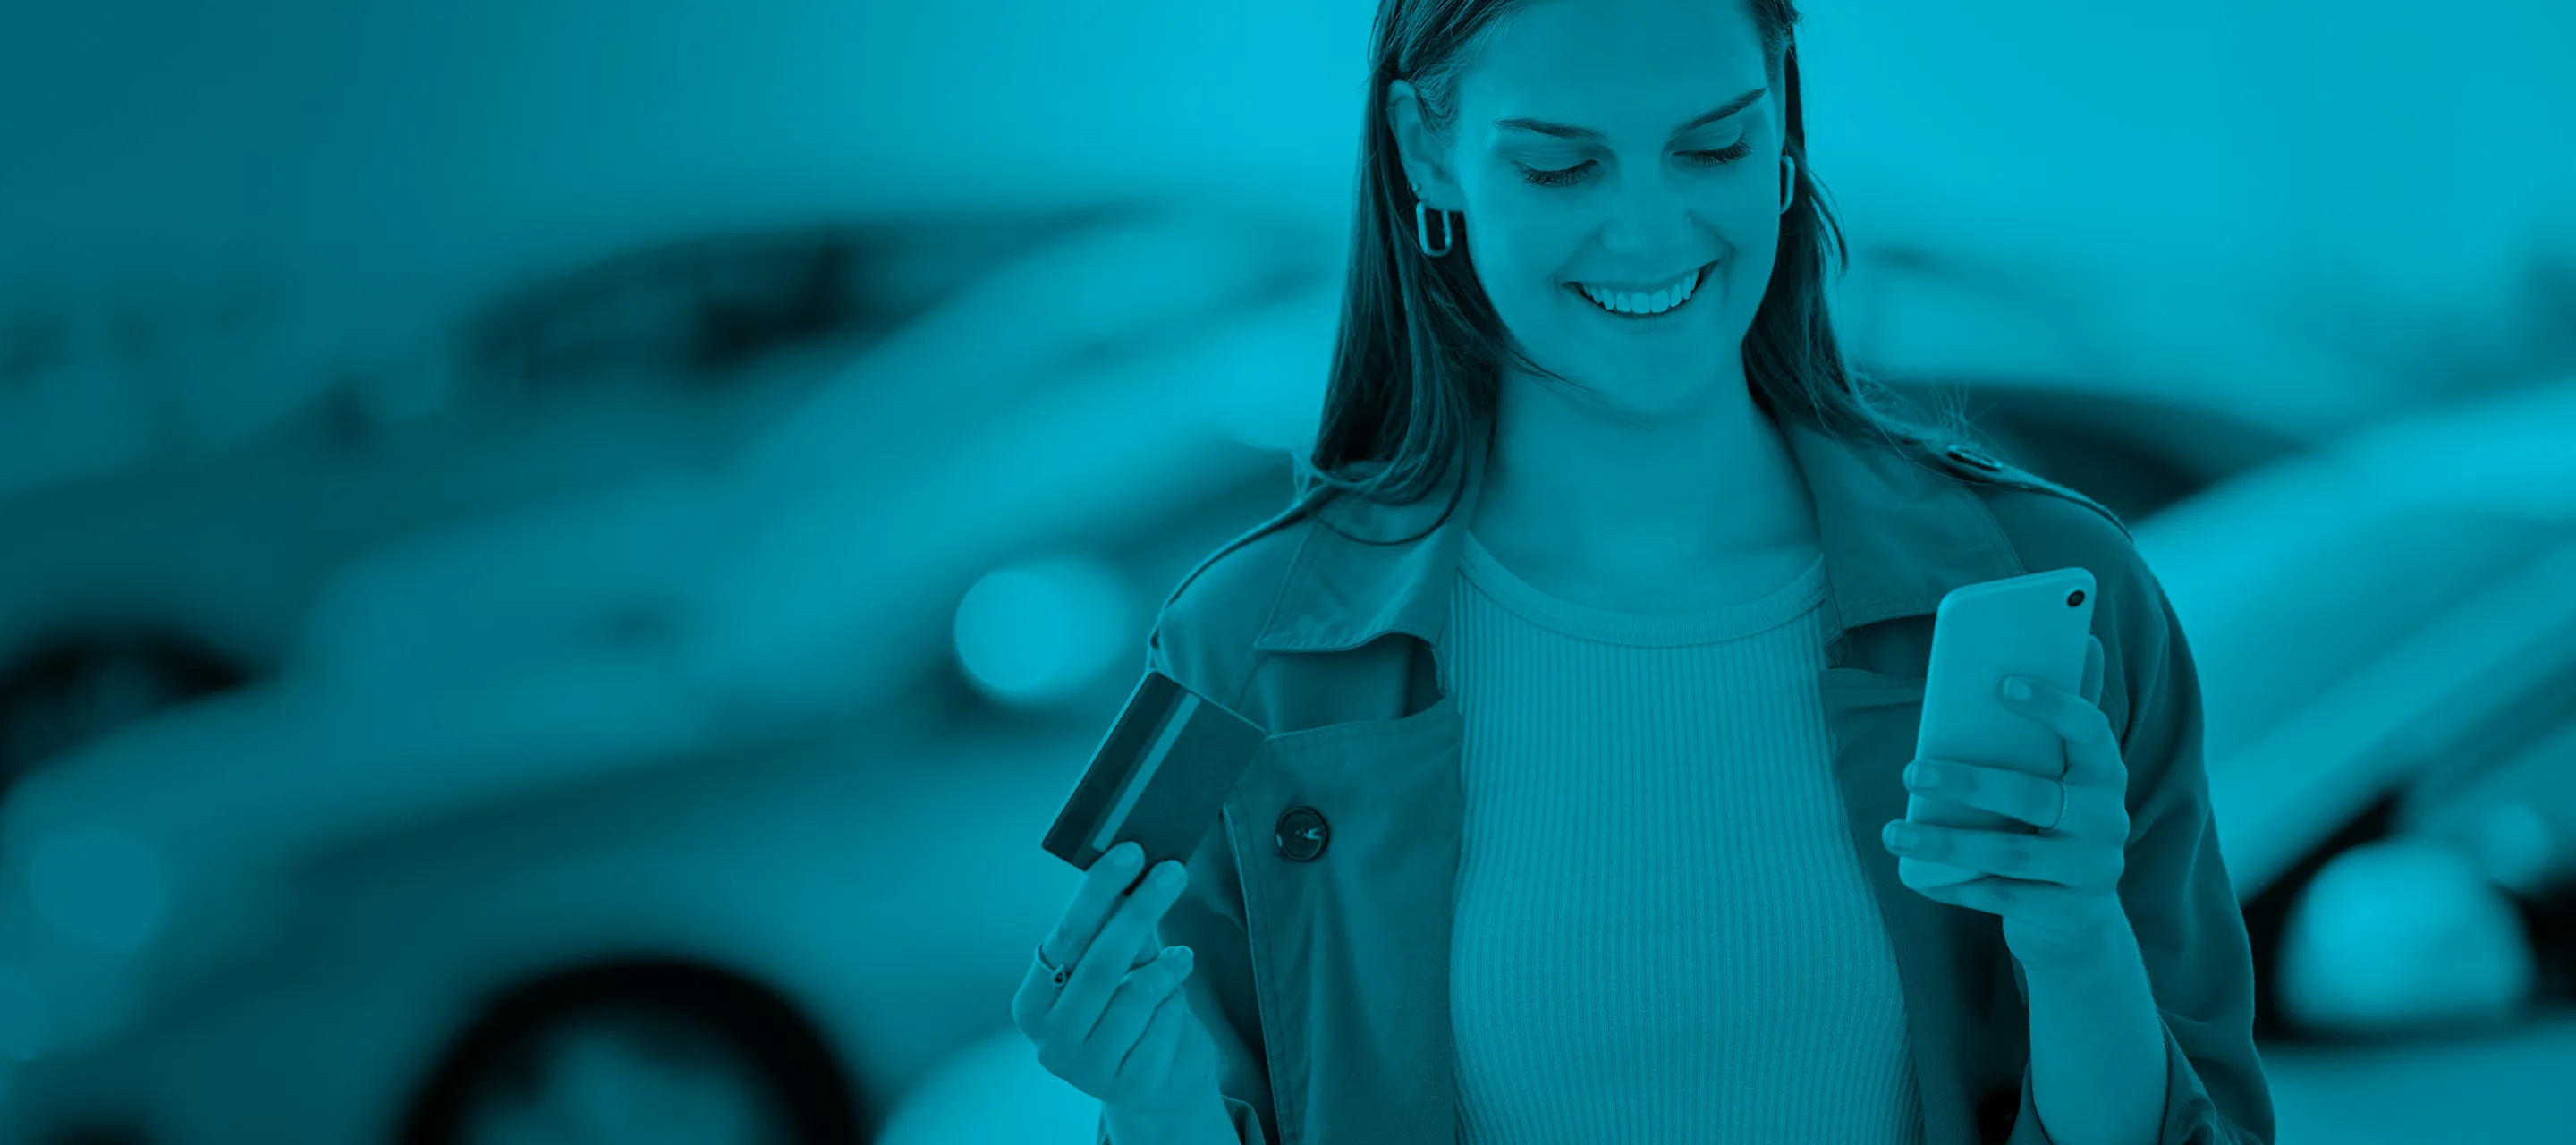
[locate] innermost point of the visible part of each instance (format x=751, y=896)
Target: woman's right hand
x=1120, y=1029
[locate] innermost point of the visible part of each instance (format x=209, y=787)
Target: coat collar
x=1898, y=528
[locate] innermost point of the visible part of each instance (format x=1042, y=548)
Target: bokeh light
x=1037, y=632
x=100, y=885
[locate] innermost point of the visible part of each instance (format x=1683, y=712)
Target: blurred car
x=521, y=619
x=879, y=878
x=690, y=704
x=665, y=357
x=2383, y=630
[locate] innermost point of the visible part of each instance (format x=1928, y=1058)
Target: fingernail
x=1898, y=835
x=2016, y=689
x=1124, y=855
x=1183, y=953
x=1921, y=776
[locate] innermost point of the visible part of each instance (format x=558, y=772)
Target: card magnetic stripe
x=1175, y=718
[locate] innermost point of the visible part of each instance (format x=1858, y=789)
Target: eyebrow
x=1586, y=134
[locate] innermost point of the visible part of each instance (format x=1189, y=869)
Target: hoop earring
x=1422, y=228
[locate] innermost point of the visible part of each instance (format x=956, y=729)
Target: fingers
x=1087, y=993
x=2092, y=753
x=2021, y=796
x=1139, y=994
x=1146, y=952
x=2037, y=858
x=1103, y=886
x=1154, y=1049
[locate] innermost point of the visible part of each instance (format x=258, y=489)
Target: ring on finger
x=1057, y=973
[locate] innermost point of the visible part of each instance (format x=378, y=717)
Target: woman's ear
x=1425, y=160
x=1788, y=182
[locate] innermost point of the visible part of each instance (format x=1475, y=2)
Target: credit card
x=1159, y=778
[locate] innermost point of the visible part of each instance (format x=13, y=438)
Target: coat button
x=1301, y=834
x=1967, y=456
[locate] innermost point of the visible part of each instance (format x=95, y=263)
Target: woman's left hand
x=2059, y=890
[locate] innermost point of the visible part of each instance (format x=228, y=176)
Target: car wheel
x=649, y=1051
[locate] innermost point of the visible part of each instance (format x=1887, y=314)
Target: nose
x=1649, y=223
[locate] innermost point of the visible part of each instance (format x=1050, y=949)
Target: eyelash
x=1742, y=148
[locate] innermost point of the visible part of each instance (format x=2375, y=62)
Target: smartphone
x=2035, y=626
x=1159, y=778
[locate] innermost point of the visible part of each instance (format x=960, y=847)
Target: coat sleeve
x=2181, y=903
x=1209, y=919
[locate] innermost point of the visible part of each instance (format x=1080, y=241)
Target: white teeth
x=1630, y=302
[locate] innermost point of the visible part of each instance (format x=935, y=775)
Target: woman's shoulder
x=2051, y=525
x=1203, y=635
x=2000, y=482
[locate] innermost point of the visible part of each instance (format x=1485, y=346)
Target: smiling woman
x=1546, y=205
x=1591, y=651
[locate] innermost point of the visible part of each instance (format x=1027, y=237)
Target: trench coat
x=1319, y=906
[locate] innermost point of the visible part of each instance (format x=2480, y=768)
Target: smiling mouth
x=1699, y=282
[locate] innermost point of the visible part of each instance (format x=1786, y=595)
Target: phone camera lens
x=2074, y=598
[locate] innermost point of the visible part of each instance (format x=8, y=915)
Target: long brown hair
x=1418, y=355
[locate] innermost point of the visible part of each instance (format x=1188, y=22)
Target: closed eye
x=1567, y=176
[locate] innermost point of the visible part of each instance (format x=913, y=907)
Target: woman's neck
x=1640, y=501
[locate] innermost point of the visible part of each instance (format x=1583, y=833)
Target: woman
x=1592, y=653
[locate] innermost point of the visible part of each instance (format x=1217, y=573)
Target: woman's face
x=1582, y=155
